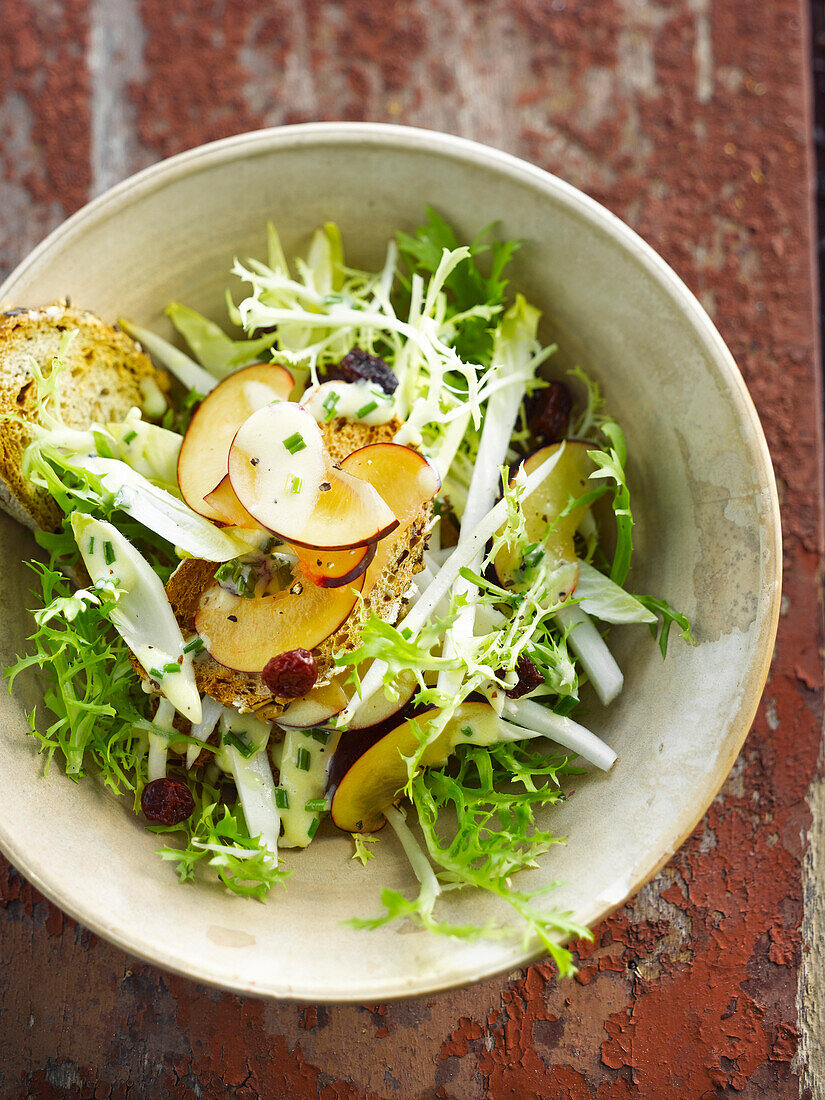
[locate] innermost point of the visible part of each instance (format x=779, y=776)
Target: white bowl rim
x=597, y=216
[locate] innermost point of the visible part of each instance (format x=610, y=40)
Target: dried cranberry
x=548, y=412
x=290, y=674
x=529, y=678
x=359, y=366
x=167, y=801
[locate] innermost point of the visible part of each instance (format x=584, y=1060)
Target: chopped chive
x=172, y=666
x=238, y=743
x=156, y=673
x=281, y=798
x=108, y=553
x=530, y=559
x=302, y=760
x=318, y=735
x=365, y=410
x=313, y=828
x=238, y=574
x=92, y=544
x=329, y=405
x=467, y=731
x=130, y=436
x=295, y=484
x=195, y=646
x=316, y=806
x=294, y=443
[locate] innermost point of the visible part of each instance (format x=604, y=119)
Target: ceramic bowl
x=707, y=538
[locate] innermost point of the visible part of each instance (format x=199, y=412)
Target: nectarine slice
x=405, y=480
x=333, y=568
x=378, y=708
x=283, y=476
x=373, y=781
x=229, y=508
x=243, y=633
x=203, y=456
x=327, y=568
x=568, y=479
x=315, y=708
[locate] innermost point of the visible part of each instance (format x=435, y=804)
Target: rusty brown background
x=688, y=118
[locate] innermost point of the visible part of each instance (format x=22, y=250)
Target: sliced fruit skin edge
x=225, y=502
x=311, y=568
x=314, y=709
x=331, y=509
x=200, y=459
x=243, y=634
x=373, y=780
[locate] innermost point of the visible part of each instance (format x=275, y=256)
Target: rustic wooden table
x=690, y=119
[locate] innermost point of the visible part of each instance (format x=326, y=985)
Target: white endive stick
x=211, y=711
x=158, y=743
x=253, y=776
x=186, y=370
x=589, y=646
x=142, y=614
x=566, y=732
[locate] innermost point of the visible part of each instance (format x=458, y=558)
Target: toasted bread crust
x=104, y=372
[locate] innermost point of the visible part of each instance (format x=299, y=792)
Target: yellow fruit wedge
x=373, y=780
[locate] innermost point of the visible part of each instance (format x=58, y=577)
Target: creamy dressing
x=220, y=599
x=362, y=402
x=276, y=465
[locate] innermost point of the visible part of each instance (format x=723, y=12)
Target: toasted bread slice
x=246, y=691
x=107, y=374
x=342, y=437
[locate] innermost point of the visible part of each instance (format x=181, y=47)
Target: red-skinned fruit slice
x=243, y=633
x=228, y=507
x=374, y=780
x=569, y=478
x=203, y=455
x=327, y=568
x=333, y=568
x=405, y=480
x=315, y=708
x=379, y=708
x=323, y=703
x=283, y=476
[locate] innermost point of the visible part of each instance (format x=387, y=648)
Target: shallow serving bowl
x=707, y=538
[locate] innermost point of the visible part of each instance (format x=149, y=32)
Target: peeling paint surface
x=689, y=120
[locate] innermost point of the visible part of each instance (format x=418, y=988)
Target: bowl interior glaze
x=707, y=538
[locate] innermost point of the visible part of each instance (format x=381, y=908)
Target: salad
x=350, y=570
